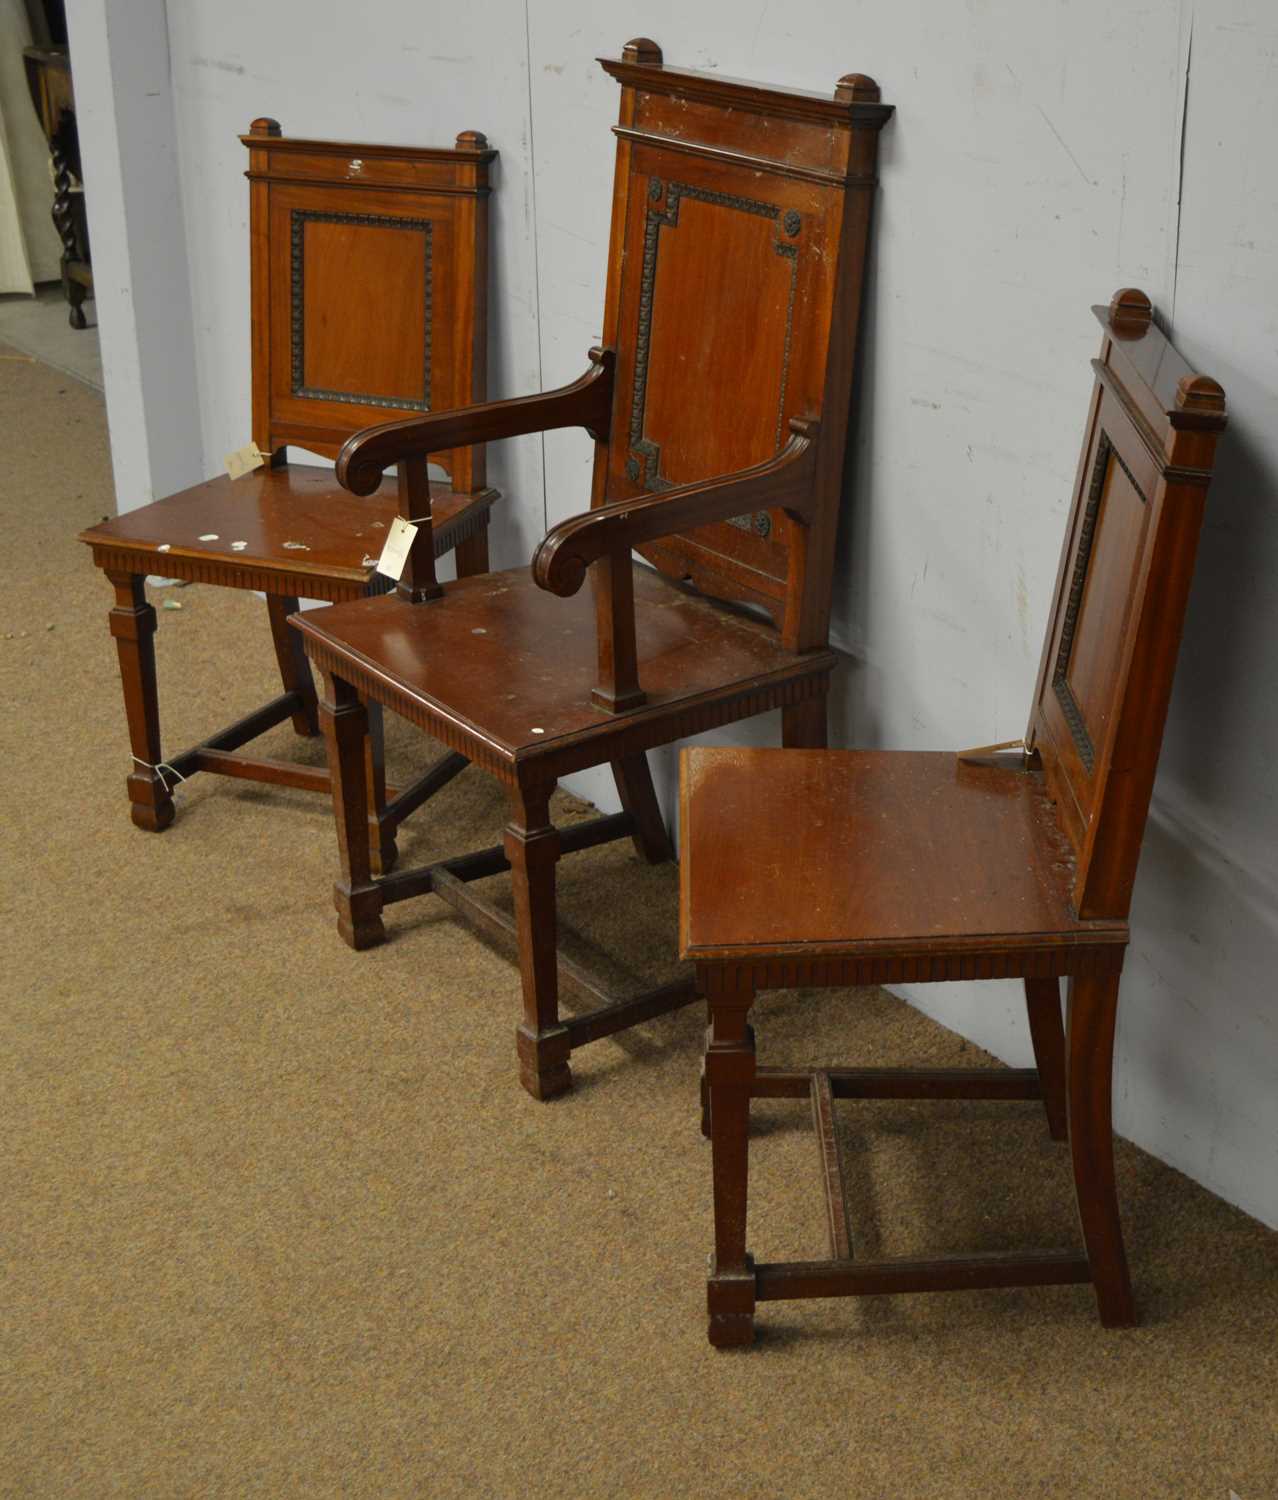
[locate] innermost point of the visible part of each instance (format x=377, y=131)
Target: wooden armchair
x=369, y=288
x=881, y=867
x=719, y=409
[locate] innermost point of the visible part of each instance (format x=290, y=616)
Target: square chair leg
x=344, y=720
x=133, y=626
x=730, y=1073
x=295, y=670
x=532, y=847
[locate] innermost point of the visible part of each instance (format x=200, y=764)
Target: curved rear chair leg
x=295, y=670
x=133, y=626
x=1092, y=1009
x=804, y=725
x=1043, y=1003
x=357, y=897
x=532, y=847
x=381, y=834
x=471, y=556
x=639, y=798
x=730, y=1068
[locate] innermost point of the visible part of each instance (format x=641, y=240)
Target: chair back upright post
x=369, y=278
x=1109, y=655
x=739, y=234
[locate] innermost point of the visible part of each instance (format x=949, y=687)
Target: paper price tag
x=244, y=460
x=399, y=541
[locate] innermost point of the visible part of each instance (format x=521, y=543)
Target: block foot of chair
x=543, y=1062
x=359, y=917
x=730, y=1304
x=731, y=1330
x=151, y=807
x=361, y=935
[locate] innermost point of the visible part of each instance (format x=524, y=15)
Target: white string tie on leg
x=159, y=768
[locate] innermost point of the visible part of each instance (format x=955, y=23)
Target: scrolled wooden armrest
x=587, y=402
x=567, y=550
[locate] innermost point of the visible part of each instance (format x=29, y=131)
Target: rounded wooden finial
x=1130, y=309
x=857, y=88
x=642, y=49
x=474, y=140
x=1200, y=393
x=265, y=126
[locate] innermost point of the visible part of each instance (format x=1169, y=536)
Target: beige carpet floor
x=278, y=1221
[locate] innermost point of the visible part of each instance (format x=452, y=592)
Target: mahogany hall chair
x=369, y=287
x=891, y=867
x=719, y=407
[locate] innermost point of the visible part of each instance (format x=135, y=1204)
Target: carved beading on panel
x=1070, y=709
x=792, y=254
x=644, y=465
x=299, y=220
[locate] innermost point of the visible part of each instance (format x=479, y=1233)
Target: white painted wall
x=1034, y=165
x=124, y=114
x=1199, y=1023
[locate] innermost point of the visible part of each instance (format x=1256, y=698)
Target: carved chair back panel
x=1110, y=536
x=730, y=205
x=369, y=281
x=354, y=339
x=724, y=327
x=1110, y=651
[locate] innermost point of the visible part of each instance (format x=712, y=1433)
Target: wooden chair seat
x=897, y=861
x=368, y=269
x=304, y=534
x=815, y=867
x=504, y=669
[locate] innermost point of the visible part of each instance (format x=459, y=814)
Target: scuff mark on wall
x=1180, y=165
x=1064, y=145
x=218, y=63
x=1022, y=604
x=1122, y=209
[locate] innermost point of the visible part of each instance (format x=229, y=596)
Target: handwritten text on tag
x=244, y=460
x=399, y=541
